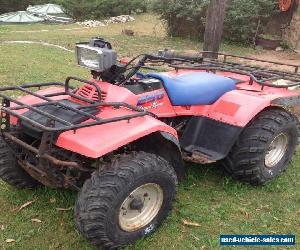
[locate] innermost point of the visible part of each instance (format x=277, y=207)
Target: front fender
x=97, y=141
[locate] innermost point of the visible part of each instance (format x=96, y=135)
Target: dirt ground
x=282, y=56
x=291, y=58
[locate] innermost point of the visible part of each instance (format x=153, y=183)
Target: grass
x=208, y=197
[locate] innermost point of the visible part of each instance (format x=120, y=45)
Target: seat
x=195, y=88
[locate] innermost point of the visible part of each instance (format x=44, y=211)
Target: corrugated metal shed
x=49, y=9
x=20, y=17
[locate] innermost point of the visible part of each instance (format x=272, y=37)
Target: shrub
x=16, y=5
x=242, y=18
x=98, y=9
x=187, y=18
x=183, y=18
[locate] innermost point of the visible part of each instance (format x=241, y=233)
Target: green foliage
x=243, y=17
x=187, y=18
x=97, y=9
x=183, y=18
x=17, y=5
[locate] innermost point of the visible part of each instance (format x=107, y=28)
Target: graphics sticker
x=150, y=98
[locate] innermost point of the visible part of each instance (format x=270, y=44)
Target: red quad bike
x=120, y=139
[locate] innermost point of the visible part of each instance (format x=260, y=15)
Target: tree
x=99, y=9
x=12, y=5
x=215, y=16
x=188, y=18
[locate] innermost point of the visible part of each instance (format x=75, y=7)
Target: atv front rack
x=264, y=76
x=92, y=120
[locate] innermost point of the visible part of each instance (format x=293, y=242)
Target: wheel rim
x=140, y=207
x=277, y=150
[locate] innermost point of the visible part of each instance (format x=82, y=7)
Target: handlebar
x=171, y=54
x=164, y=56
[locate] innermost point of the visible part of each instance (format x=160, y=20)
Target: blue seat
x=196, y=88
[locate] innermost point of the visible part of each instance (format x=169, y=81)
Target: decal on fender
x=154, y=105
x=150, y=98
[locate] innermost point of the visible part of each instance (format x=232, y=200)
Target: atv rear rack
x=261, y=75
x=92, y=120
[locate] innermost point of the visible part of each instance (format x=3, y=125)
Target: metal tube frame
x=261, y=75
x=44, y=151
x=65, y=125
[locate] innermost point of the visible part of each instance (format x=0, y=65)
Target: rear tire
x=265, y=147
x=127, y=201
x=11, y=172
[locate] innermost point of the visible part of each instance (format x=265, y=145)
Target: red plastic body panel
x=161, y=107
x=236, y=107
x=99, y=140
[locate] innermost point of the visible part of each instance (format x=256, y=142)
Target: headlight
x=95, y=58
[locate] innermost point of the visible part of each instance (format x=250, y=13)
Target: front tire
x=11, y=172
x=126, y=201
x=265, y=147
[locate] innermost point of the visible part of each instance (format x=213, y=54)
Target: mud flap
x=208, y=138
x=287, y=101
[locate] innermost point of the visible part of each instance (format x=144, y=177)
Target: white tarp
x=57, y=19
x=20, y=17
x=46, y=9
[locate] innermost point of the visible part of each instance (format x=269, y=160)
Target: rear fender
x=238, y=107
x=215, y=130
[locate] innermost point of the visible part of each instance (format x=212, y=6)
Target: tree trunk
x=292, y=33
x=214, y=27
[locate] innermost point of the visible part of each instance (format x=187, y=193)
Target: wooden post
x=214, y=27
